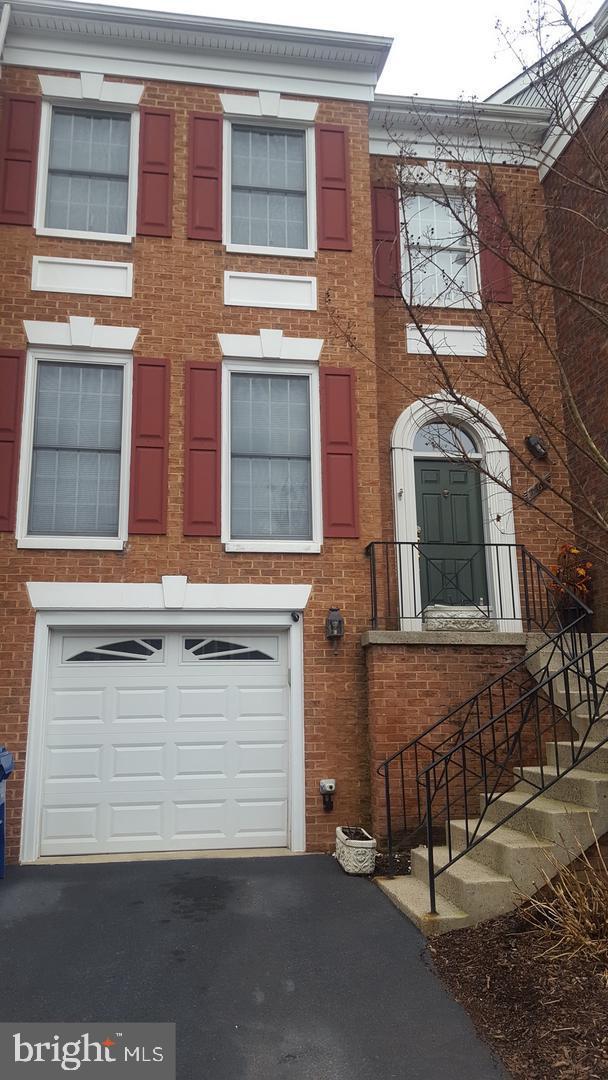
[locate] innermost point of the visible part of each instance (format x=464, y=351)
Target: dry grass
x=571, y=912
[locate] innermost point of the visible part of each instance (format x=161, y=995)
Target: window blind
x=75, y=481
x=270, y=457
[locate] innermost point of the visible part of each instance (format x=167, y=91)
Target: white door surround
x=173, y=605
x=497, y=503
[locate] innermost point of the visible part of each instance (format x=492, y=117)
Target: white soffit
x=170, y=594
x=270, y=345
x=270, y=104
x=447, y=340
x=95, y=278
x=91, y=86
x=80, y=332
x=270, y=291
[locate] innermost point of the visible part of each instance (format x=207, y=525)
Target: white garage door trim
x=289, y=601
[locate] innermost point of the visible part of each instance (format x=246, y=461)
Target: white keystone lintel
x=89, y=276
x=447, y=340
x=133, y=596
x=270, y=345
x=91, y=86
x=80, y=332
x=268, y=103
x=287, y=291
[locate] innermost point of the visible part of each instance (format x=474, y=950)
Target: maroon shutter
x=205, y=177
x=386, y=238
x=155, y=172
x=333, y=188
x=340, y=502
x=496, y=286
x=202, y=462
x=18, y=152
x=149, y=447
x=12, y=368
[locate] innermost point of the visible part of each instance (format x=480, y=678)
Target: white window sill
x=84, y=543
x=472, y=304
x=302, y=547
x=291, y=253
x=70, y=234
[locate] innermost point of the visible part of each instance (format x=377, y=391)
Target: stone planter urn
x=355, y=850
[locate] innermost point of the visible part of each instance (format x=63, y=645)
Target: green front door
x=450, y=527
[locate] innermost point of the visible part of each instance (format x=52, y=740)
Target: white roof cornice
x=183, y=43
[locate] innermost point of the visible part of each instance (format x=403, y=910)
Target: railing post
x=389, y=826
x=429, y=843
x=371, y=552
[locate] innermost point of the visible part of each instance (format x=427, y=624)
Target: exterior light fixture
x=334, y=626
x=536, y=447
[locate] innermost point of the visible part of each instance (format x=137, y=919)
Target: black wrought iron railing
x=416, y=582
x=467, y=760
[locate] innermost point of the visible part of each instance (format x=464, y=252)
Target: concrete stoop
x=500, y=869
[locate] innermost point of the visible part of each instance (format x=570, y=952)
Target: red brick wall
x=576, y=223
x=409, y=688
x=178, y=303
x=402, y=378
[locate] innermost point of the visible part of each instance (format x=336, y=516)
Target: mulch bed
x=545, y=1017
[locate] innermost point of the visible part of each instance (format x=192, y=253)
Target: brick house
x=195, y=462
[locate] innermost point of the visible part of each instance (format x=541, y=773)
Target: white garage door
x=165, y=741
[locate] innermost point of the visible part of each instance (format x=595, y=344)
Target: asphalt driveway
x=272, y=969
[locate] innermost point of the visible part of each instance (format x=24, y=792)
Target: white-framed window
x=271, y=457
x=87, y=171
x=440, y=256
x=75, y=450
x=269, y=187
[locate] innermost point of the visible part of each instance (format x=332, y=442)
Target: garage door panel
x=200, y=761
x=80, y=705
x=202, y=703
x=141, y=704
x=172, y=752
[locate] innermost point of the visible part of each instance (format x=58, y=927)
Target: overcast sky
x=443, y=48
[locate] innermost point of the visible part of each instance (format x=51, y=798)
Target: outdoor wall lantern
x=536, y=447
x=334, y=626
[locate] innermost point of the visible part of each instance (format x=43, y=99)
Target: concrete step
x=472, y=886
x=411, y=896
x=580, y=723
x=565, y=823
x=515, y=854
x=598, y=760
x=581, y=785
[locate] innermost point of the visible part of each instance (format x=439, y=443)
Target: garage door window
x=74, y=471
x=215, y=649
x=116, y=651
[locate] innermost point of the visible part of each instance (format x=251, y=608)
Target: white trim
x=446, y=340
x=80, y=331
x=270, y=104
x=270, y=345
x=91, y=86
x=72, y=596
x=497, y=503
x=89, y=543
x=4, y=21
x=310, y=250
x=93, y=277
x=260, y=615
x=312, y=546
x=288, y=291
x=43, y=168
